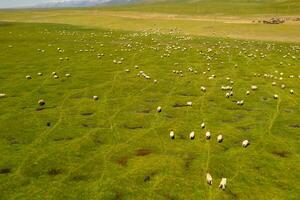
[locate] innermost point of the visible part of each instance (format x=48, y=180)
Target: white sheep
x=2, y=95
x=95, y=98
x=53, y=73
x=158, y=109
x=172, y=134
x=28, y=77
x=253, y=87
x=220, y=138
x=55, y=76
x=248, y=92
x=40, y=74
x=292, y=91
x=41, y=102
x=227, y=94
x=189, y=103
x=207, y=135
x=203, y=125
x=127, y=70
x=68, y=75
x=282, y=86
x=209, y=179
x=275, y=96
x=203, y=89
x=223, y=183
x=245, y=143
x=192, y=135
x=273, y=83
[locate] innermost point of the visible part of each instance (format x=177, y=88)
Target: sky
x=26, y=3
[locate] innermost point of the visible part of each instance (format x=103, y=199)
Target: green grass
x=216, y=7
x=118, y=147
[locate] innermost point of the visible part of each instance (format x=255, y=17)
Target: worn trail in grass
x=118, y=147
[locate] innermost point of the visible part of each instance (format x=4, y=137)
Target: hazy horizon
x=28, y=3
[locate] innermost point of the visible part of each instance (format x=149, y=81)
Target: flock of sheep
x=228, y=89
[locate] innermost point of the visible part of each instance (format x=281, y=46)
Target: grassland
x=233, y=19
x=118, y=147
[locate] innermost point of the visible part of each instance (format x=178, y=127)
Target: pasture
x=80, y=115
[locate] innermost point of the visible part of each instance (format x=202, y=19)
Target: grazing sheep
x=68, y=75
x=282, y=86
x=209, y=179
x=223, y=183
x=275, y=96
x=203, y=89
x=248, y=92
x=155, y=81
x=172, y=135
x=192, y=135
x=40, y=74
x=28, y=77
x=273, y=83
x=2, y=95
x=127, y=70
x=158, y=109
x=240, y=103
x=53, y=73
x=245, y=143
x=41, y=102
x=292, y=91
x=207, y=135
x=253, y=87
x=189, y=103
x=220, y=138
x=95, y=98
x=203, y=125
x=227, y=94
x=55, y=76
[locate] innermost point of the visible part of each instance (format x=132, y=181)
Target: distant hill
x=82, y=3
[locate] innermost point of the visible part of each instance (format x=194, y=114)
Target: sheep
x=158, y=109
x=54, y=73
x=245, y=143
x=203, y=89
x=207, y=135
x=282, y=86
x=192, y=135
x=227, y=94
x=68, y=75
x=203, y=125
x=28, y=77
x=40, y=74
x=95, y=98
x=172, y=135
x=189, y=103
x=155, y=81
x=223, y=183
x=253, y=87
x=209, y=179
x=275, y=96
x=248, y=92
x=273, y=83
x=2, y=95
x=220, y=138
x=41, y=102
x=240, y=103
x=55, y=76
x=291, y=91
x=127, y=70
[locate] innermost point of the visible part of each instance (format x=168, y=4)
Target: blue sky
x=22, y=3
